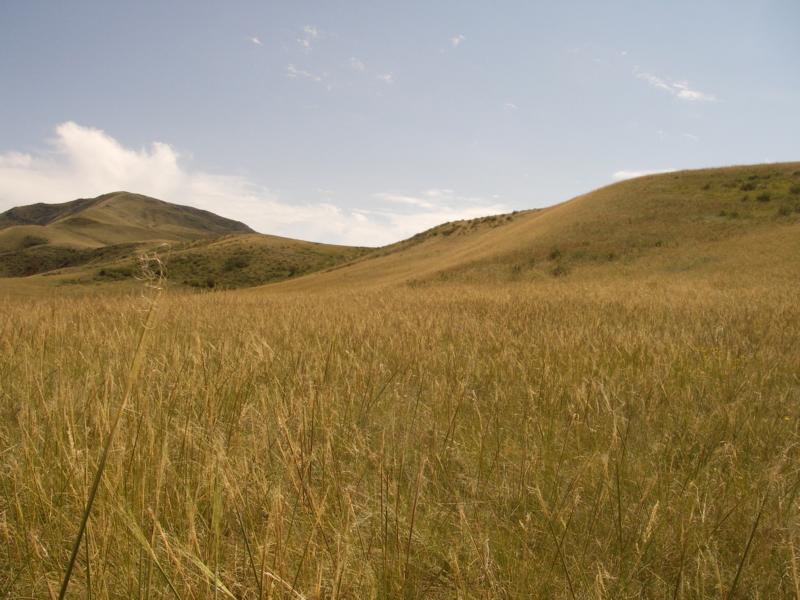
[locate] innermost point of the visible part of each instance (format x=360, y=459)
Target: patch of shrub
x=764, y=197
x=559, y=271
x=795, y=189
x=235, y=262
x=114, y=274
x=29, y=241
x=745, y=198
x=555, y=254
x=747, y=187
x=784, y=211
x=706, y=186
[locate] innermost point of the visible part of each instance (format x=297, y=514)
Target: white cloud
x=357, y=65
x=691, y=136
x=15, y=159
x=83, y=162
x=292, y=72
x=309, y=35
x=620, y=175
x=679, y=89
x=255, y=41
x=457, y=40
x=387, y=78
x=510, y=106
x=430, y=208
x=401, y=199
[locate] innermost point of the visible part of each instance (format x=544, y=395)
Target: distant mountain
x=96, y=240
x=115, y=218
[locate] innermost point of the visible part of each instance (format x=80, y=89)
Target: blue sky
x=365, y=122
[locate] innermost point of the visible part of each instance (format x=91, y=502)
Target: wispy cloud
x=678, y=89
x=292, y=72
x=457, y=40
x=357, y=64
x=82, y=162
x=620, y=175
x=691, y=136
x=255, y=40
x=309, y=35
x=510, y=106
x=426, y=209
x=401, y=199
x=387, y=78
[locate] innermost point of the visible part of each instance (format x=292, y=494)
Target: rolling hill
x=727, y=221
x=97, y=240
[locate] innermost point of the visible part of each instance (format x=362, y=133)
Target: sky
x=366, y=122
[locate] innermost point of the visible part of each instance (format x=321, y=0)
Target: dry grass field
x=481, y=425
x=573, y=439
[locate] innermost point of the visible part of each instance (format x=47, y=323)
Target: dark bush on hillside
x=555, y=254
x=745, y=198
x=235, y=262
x=795, y=189
x=29, y=241
x=114, y=273
x=747, y=187
x=559, y=271
x=764, y=197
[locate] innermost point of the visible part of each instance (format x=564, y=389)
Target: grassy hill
x=702, y=222
x=97, y=240
x=709, y=222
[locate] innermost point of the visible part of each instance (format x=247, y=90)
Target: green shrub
x=747, y=187
x=764, y=197
x=235, y=262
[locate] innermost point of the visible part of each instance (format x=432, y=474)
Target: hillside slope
x=703, y=222
x=115, y=218
x=98, y=240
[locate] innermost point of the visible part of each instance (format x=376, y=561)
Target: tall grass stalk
x=133, y=375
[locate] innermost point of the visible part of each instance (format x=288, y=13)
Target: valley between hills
x=704, y=223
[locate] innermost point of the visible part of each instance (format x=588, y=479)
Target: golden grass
x=691, y=222
x=569, y=438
